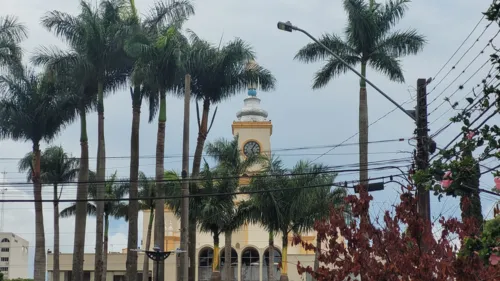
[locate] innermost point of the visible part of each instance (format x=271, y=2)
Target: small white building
x=13, y=256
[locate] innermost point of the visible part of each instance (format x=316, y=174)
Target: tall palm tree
x=370, y=39
x=95, y=35
x=32, y=109
x=216, y=75
x=115, y=208
x=161, y=62
x=264, y=211
x=70, y=70
x=56, y=168
x=12, y=32
x=286, y=211
x=227, y=155
x=143, y=34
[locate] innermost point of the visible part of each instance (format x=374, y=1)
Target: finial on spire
x=252, y=87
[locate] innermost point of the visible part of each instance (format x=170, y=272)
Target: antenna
x=3, y=190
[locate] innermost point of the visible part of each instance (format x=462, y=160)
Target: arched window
x=205, y=261
x=5, y=240
x=265, y=265
x=234, y=264
x=250, y=262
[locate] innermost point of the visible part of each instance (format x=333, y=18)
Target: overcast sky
x=301, y=117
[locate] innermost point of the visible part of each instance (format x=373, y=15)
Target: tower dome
x=251, y=110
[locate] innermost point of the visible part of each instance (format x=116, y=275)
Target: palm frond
x=401, y=43
x=313, y=52
x=387, y=65
x=331, y=69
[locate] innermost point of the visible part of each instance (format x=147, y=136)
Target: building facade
x=13, y=256
x=250, y=255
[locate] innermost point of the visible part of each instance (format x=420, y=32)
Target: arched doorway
x=205, y=261
x=234, y=264
x=274, y=264
x=250, y=262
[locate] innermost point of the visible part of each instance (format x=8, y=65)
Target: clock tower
x=253, y=127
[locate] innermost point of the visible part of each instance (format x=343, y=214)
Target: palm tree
x=286, y=211
x=142, y=34
x=322, y=199
x=72, y=72
x=11, y=34
x=264, y=210
x=56, y=167
x=160, y=65
x=32, y=109
x=147, y=188
x=227, y=154
x=369, y=40
x=217, y=73
x=95, y=35
x=113, y=208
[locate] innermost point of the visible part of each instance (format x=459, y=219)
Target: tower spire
x=251, y=110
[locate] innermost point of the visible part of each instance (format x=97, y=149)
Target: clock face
x=251, y=147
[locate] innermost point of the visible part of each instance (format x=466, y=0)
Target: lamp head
x=285, y=26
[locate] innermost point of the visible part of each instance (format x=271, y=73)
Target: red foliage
x=403, y=249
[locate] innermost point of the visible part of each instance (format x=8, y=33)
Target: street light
x=157, y=256
x=287, y=26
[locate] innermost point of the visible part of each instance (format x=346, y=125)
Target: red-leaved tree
x=404, y=248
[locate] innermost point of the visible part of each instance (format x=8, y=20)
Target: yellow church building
x=250, y=256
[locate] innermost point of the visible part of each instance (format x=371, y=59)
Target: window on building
x=4, y=259
x=5, y=250
x=5, y=240
x=4, y=269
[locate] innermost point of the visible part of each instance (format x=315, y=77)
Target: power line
x=328, y=170
x=463, y=71
x=463, y=55
x=267, y=151
x=380, y=118
x=339, y=184
x=471, y=105
x=459, y=47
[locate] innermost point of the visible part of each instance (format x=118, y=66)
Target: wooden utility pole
x=422, y=156
x=184, y=262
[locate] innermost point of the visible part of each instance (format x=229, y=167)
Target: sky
x=301, y=117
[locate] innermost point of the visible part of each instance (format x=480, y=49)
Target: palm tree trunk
x=284, y=257
x=133, y=208
x=202, y=136
x=100, y=178
x=270, y=266
x=145, y=268
x=227, y=256
x=216, y=260
x=40, y=258
x=160, y=203
x=105, y=248
x=81, y=206
x=363, y=135
x=55, y=271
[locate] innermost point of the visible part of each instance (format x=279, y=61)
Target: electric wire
x=327, y=170
x=215, y=194
x=460, y=59
x=459, y=47
x=263, y=151
x=463, y=71
x=374, y=122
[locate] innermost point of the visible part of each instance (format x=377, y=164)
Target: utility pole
x=184, y=262
x=422, y=155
